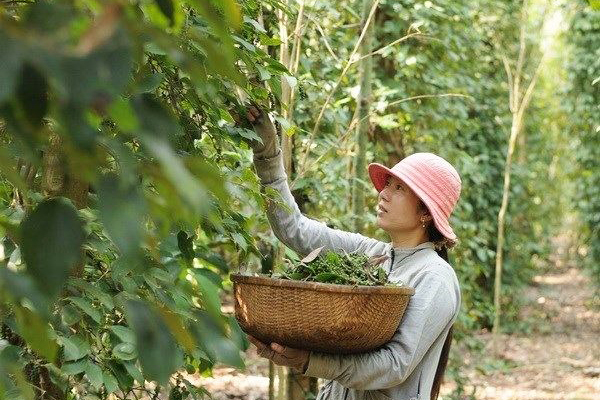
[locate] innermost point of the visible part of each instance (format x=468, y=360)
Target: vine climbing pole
x=291, y=384
x=519, y=100
x=363, y=105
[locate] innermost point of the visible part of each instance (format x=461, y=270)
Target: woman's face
x=398, y=209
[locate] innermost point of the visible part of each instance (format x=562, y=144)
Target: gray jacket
x=404, y=368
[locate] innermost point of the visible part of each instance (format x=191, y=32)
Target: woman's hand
x=260, y=121
x=282, y=355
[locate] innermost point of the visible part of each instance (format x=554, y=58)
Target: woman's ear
x=426, y=216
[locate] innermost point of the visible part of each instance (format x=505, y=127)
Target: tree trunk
x=284, y=58
x=363, y=104
x=518, y=104
x=56, y=181
x=290, y=382
x=501, y=218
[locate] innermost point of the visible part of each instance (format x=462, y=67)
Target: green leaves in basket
x=338, y=268
x=328, y=277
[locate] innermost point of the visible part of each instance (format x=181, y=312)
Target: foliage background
x=122, y=168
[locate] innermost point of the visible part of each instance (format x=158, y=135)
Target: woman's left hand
x=282, y=355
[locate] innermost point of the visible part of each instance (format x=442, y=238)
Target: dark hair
x=441, y=244
x=434, y=236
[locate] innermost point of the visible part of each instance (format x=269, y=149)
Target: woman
x=416, y=198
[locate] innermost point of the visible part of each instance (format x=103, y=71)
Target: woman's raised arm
x=295, y=230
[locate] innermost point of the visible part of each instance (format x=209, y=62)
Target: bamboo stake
x=518, y=105
x=363, y=105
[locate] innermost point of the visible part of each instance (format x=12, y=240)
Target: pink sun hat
x=433, y=180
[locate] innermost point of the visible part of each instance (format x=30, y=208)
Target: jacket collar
x=408, y=250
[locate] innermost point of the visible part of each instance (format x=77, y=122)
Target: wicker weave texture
x=319, y=317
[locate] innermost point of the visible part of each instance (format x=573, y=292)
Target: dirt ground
x=560, y=358
x=556, y=358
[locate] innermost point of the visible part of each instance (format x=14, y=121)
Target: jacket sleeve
x=295, y=230
x=427, y=316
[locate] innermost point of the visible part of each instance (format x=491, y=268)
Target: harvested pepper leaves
x=338, y=268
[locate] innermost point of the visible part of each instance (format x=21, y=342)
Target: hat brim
x=379, y=173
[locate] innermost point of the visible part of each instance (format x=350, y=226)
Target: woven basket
x=317, y=316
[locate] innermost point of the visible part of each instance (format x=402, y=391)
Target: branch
x=17, y=2
x=521, y=58
x=380, y=50
x=324, y=38
x=297, y=35
x=356, y=121
x=295, y=53
x=337, y=84
x=425, y=96
x=340, y=140
x=509, y=77
x=527, y=97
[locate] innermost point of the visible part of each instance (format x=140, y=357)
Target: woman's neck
x=409, y=239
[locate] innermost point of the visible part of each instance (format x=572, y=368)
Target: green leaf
x=178, y=328
x=87, y=307
x=210, y=296
x=212, y=276
x=75, y=347
x=125, y=351
x=74, y=368
x=21, y=286
x=186, y=245
x=188, y=187
x=156, y=347
x=276, y=66
x=291, y=81
x=155, y=120
x=122, y=208
x=8, y=170
x=150, y=82
x=288, y=128
x=327, y=277
x=35, y=331
x=121, y=112
x=264, y=73
x=10, y=65
x=220, y=60
x=247, y=45
x=100, y=74
x=70, y=315
x=167, y=8
x=157, y=125
x=240, y=240
x=95, y=291
x=269, y=41
x=76, y=122
x=232, y=13
x=595, y=4
x=248, y=134
x=237, y=334
x=46, y=17
x=133, y=370
x=216, y=260
x=110, y=382
x=124, y=333
x=32, y=94
x=54, y=223
x=212, y=338
x=255, y=24
x=94, y=373
x=295, y=276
